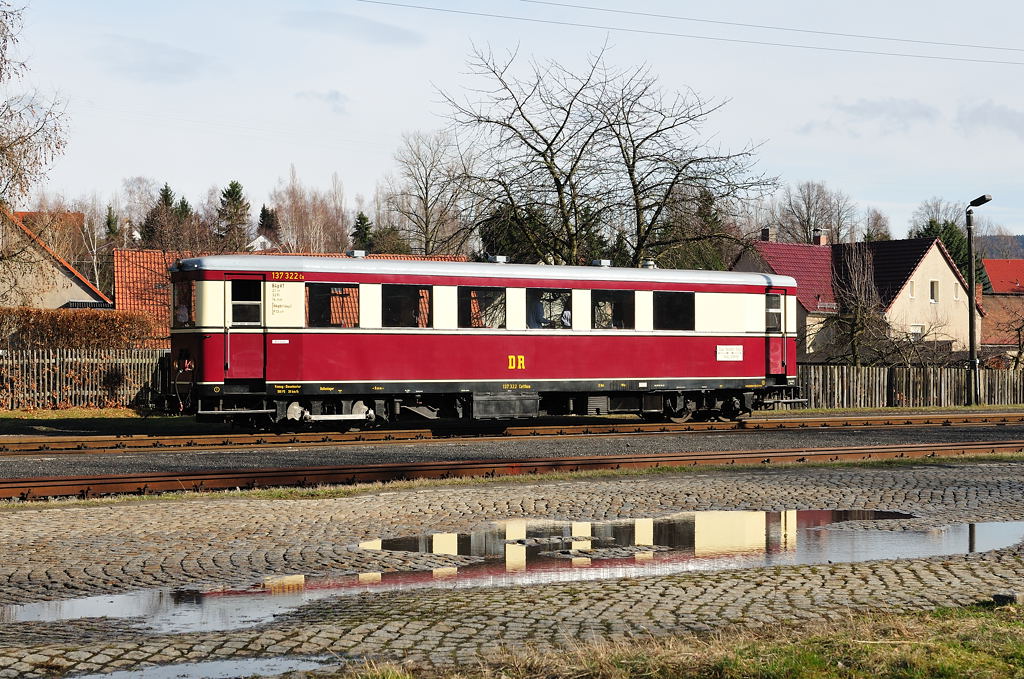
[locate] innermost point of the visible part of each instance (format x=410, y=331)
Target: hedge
x=28, y=328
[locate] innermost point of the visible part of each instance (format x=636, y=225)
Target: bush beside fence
x=64, y=378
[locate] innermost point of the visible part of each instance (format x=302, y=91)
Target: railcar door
x=775, y=332
x=244, y=336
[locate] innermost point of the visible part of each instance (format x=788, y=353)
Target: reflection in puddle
x=520, y=552
x=216, y=669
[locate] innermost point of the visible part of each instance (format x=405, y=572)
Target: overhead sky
x=200, y=92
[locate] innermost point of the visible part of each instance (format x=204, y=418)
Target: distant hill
x=1000, y=247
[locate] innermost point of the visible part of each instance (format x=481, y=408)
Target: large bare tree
x=812, y=206
x=573, y=161
x=429, y=195
x=311, y=219
x=32, y=126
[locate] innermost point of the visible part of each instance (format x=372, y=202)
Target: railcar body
x=263, y=339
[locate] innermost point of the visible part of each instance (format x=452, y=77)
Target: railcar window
x=481, y=307
x=612, y=309
x=548, y=308
x=246, y=300
x=773, y=313
x=332, y=305
x=184, y=304
x=406, y=306
x=673, y=310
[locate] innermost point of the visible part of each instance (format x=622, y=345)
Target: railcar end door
x=244, y=336
x=775, y=331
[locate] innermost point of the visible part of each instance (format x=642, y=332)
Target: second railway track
x=112, y=444
x=144, y=484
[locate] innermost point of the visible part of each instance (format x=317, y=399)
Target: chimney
x=818, y=237
x=766, y=233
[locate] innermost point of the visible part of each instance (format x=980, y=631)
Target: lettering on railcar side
x=516, y=362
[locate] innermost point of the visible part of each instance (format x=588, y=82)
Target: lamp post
x=973, y=376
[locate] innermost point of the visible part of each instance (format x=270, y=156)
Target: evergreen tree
x=389, y=241
x=112, y=228
x=362, y=233
x=182, y=210
x=269, y=226
x=157, y=228
x=955, y=240
x=233, y=214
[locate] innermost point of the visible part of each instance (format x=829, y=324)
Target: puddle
x=520, y=552
x=216, y=669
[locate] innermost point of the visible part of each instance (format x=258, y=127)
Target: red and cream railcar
x=264, y=339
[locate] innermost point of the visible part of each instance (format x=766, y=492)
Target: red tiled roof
x=142, y=283
x=810, y=265
x=1006, y=275
x=16, y=219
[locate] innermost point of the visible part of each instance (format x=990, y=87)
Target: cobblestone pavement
x=69, y=552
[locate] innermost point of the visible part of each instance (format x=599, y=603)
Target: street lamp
x=973, y=376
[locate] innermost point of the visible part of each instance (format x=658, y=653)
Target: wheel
x=684, y=416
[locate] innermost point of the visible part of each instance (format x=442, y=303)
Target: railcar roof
x=359, y=265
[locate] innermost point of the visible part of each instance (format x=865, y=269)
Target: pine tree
x=955, y=240
x=362, y=233
x=234, y=217
x=155, y=231
x=268, y=225
x=113, y=229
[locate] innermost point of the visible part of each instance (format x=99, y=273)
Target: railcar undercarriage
x=363, y=411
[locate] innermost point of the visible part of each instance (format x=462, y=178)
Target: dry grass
x=979, y=641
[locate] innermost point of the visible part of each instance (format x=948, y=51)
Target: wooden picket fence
x=842, y=386
x=135, y=377
x=63, y=378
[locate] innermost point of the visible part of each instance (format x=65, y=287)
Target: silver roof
x=359, y=265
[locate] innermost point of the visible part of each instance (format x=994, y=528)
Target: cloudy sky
x=198, y=93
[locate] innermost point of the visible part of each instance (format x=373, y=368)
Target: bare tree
x=575, y=161
x=32, y=127
x=939, y=211
x=429, y=194
x=812, y=206
x=311, y=220
x=876, y=226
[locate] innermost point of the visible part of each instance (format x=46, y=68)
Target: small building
x=916, y=284
x=32, y=274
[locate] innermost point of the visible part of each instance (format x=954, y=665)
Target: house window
x=481, y=307
x=548, y=308
x=933, y=292
x=612, y=310
x=406, y=306
x=913, y=291
x=773, y=312
x=332, y=305
x=184, y=304
x=246, y=302
x=673, y=310
x=916, y=332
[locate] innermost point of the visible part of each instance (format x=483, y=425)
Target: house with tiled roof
x=142, y=282
x=916, y=283
x=33, y=274
x=1003, y=331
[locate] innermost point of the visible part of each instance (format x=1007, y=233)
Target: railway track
x=35, y=445
x=143, y=484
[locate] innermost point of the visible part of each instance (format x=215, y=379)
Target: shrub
x=28, y=328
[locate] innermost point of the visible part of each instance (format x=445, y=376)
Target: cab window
x=184, y=304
